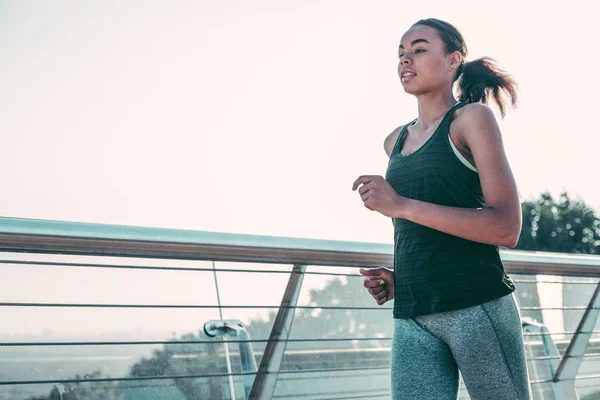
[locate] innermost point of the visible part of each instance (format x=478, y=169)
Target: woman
x=453, y=200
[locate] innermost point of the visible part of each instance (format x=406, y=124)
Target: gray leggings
x=484, y=342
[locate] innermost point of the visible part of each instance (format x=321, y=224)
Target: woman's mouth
x=406, y=76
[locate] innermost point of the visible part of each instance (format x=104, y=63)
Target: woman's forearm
x=485, y=225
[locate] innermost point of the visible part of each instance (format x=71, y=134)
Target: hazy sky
x=257, y=116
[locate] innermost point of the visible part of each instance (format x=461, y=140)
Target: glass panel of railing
x=587, y=383
x=543, y=391
x=554, y=305
x=340, y=340
x=98, y=319
x=157, y=389
x=336, y=385
x=249, y=284
x=538, y=362
x=462, y=392
x=250, y=293
x=557, y=302
x=334, y=304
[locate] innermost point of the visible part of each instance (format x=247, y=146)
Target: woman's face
x=423, y=63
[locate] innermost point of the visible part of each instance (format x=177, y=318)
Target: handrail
x=44, y=236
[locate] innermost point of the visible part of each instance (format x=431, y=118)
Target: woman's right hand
x=379, y=283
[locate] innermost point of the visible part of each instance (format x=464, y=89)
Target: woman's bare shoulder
x=390, y=140
x=474, y=113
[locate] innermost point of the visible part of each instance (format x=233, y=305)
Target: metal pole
x=266, y=377
x=550, y=349
x=236, y=328
x=227, y=359
x=248, y=360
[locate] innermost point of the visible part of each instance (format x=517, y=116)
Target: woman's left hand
x=378, y=195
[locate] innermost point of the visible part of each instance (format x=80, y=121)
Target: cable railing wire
x=196, y=306
x=545, y=358
x=371, y=395
x=558, y=333
x=556, y=283
x=189, y=376
x=290, y=378
x=200, y=269
x=99, y=305
x=166, y=268
x=182, y=342
x=568, y=308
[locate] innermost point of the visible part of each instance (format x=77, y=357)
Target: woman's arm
x=498, y=223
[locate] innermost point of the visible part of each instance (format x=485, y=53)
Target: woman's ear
x=455, y=60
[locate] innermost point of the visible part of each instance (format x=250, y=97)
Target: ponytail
x=481, y=80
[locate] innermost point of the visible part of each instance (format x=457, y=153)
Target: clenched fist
x=377, y=195
x=379, y=283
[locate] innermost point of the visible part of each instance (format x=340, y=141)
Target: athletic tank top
x=435, y=271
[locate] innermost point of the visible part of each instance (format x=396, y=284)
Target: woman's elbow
x=512, y=233
x=510, y=229
x=511, y=240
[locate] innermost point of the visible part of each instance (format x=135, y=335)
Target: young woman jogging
x=453, y=201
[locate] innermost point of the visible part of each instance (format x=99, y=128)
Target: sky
x=257, y=116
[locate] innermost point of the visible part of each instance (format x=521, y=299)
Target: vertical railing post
x=225, y=346
x=550, y=351
x=573, y=357
x=236, y=328
x=247, y=359
x=268, y=371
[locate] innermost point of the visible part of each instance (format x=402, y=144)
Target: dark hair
x=479, y=79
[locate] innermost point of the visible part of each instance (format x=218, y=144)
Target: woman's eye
x=417, y=51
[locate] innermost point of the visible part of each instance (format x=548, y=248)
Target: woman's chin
x=409, y=89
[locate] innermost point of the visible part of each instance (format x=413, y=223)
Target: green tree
x=560, y=225
x=564, y=226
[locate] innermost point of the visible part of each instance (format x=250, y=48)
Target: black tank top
x=435, y=271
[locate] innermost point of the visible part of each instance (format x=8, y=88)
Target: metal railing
x=194, y=366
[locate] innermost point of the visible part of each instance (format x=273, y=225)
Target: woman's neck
x=432, y=107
